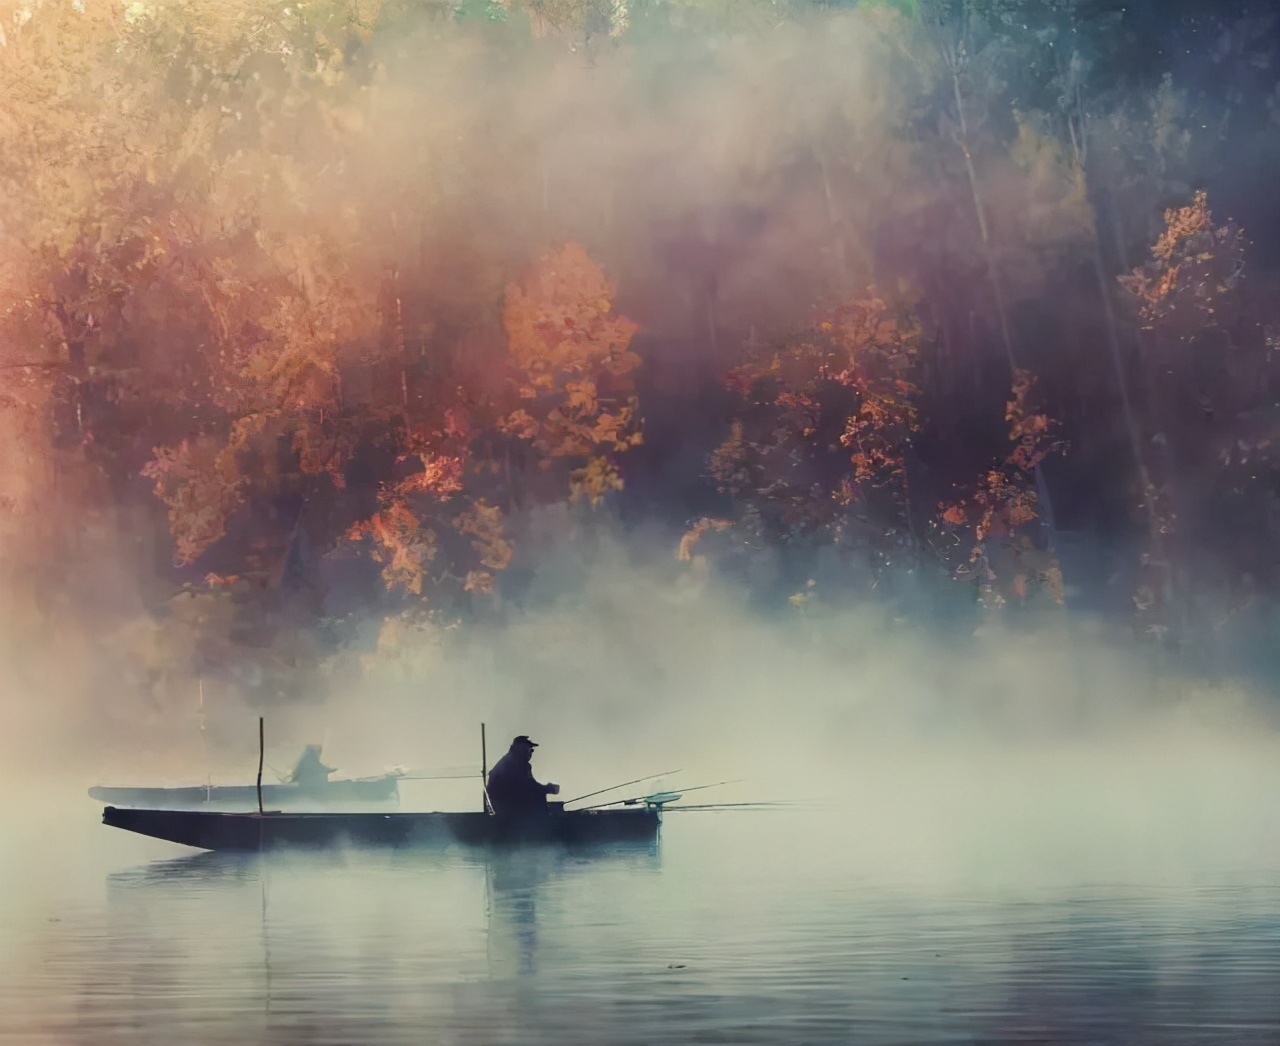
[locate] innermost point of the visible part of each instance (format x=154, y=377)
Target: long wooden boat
x=308, y=786
x=326, y=793
x=214, y=830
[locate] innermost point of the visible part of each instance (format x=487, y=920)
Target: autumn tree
x=572, y=369
x=989, y=534
x=1210, y=375
x=819, y=433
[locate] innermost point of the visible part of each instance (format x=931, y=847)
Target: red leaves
x=1193, y=265
x=1031, y=432
x=1002, y=502
x=403, y=545
x=845, y=383
x=440, y=477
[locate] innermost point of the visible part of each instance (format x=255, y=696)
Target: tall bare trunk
x=1152, y=494
x=993, y=272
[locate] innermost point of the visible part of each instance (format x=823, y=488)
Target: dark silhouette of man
x=512, y=788
x=311, y=771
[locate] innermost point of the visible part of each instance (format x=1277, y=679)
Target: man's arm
x=536, y=786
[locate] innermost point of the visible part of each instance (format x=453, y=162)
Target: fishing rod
x=577, y=799
x=725, y=806
x=654, y=795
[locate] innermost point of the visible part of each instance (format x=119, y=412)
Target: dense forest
x=315, y=314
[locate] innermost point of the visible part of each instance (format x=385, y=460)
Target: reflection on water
x=517, y=881
x=716, y=935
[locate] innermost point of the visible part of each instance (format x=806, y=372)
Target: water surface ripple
x=717, y=935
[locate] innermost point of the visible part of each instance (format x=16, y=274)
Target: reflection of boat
x=518, y=900
x=308, y=785
x=215, y=830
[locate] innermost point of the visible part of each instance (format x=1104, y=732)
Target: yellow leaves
x=1002, y=502
x=846, y=492
x=571, y=359
x=853, y=370
x=1020, y=507
x=594, y=480
x=802, y=403
x=519, y=423
x=401, y=543
x=694, y=534
x=201, y=486
x=1031, y=432
x=406, y=546
x=221, y=580
x=579, y=396
x=617, y=432
x=1193, y=264
x=728, y=463
x=1183, y=225
x=560, y=321
x=483, y=523
x=1052, y=580
x=211, y=173
x=441, y=476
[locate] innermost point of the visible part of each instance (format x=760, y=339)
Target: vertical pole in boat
x=484, y=769
x=261, y=749
x=204, y=744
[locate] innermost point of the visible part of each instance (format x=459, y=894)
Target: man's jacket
x=512, y=788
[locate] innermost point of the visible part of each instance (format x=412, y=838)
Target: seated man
x=310, y=771
x=512, y=788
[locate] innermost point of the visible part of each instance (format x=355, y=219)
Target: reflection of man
x=515, y=882
x=512, y=788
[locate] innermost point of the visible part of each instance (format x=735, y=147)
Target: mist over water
x=991, y=837
x=1053, y=756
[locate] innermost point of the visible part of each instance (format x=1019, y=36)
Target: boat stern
x=185, y=827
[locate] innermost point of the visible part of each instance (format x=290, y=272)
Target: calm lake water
x=738, y=927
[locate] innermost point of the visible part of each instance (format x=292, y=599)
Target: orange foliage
x=1193, y=265
x=846, y=384
x=694, y=534
x=401, y=543
x=1201, y=369
x=202, y=487
x=1003, y=502
x=571, y=361
x=483, y=523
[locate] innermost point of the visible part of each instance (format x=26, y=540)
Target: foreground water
x=737, y=928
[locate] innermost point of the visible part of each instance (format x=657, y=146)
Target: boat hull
x=374, y=790
x=247, y=832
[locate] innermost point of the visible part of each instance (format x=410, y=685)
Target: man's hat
x=523, y=740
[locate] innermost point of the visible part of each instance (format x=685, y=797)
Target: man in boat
x=311, y=771
x=512, y=788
